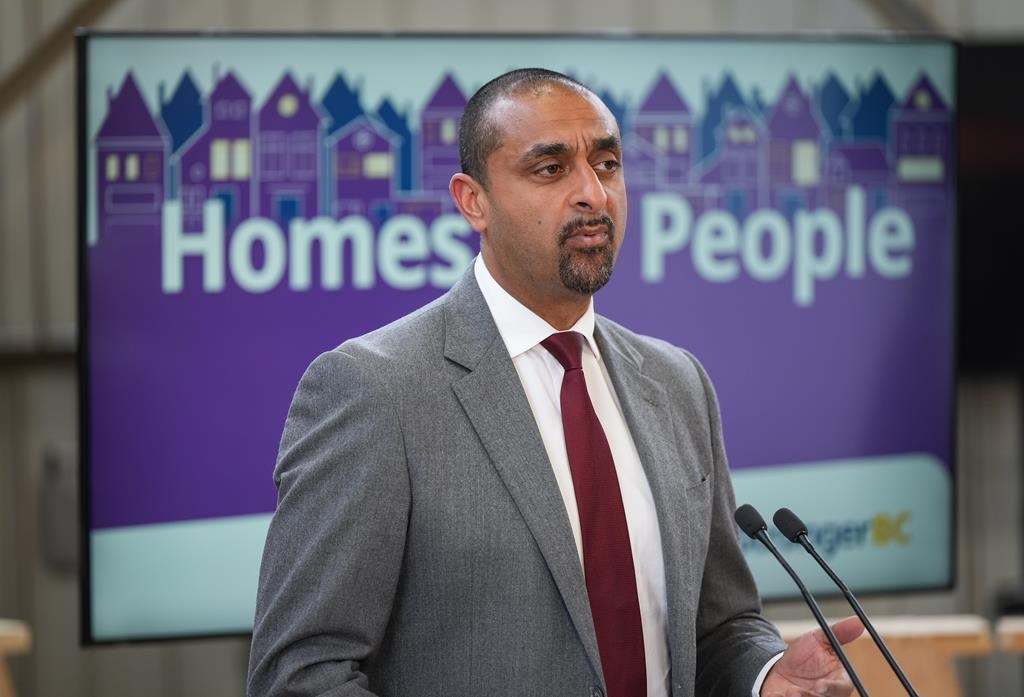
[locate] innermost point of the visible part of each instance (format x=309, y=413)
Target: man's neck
x=560, y=318
x=561, y=312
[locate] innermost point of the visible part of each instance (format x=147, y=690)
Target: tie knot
x=567, y=348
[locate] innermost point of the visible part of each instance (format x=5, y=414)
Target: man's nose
x=588, y=194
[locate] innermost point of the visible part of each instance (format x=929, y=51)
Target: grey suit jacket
x=421, y=547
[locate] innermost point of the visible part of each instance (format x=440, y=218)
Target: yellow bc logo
x=887, y=528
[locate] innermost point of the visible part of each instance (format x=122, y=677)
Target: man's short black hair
x=479, y=135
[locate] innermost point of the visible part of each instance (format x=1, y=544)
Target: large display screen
x=249, y=202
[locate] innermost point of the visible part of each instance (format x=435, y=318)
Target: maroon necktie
x=607, y=557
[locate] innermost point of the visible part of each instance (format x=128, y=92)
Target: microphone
x=751, y=522
x=790, y=525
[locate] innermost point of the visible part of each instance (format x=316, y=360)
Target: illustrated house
x=182, y=116
x=217, y=161
x=736, y=176
x=362, y=155
x=869, y=113
x=833, y=101
x=661, y=141
x=398, y=123
x=794, y=156
x=439, y=136
x=130, y=158
x=725, y=101
x=861, y=164
x=341, y=104
x=288, y=128
x=922, y=132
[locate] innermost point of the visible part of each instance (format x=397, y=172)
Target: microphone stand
x=751, y=522
x=806, y=544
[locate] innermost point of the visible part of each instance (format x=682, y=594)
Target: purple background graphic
x=189, y=390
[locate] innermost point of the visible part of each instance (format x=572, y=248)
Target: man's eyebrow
x=545, y=150
x=540, y=150
x=606, y=143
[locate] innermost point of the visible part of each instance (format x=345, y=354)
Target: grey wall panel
x=54, y=193
x=16, y=285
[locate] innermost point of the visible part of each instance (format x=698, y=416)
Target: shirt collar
x=521, y=329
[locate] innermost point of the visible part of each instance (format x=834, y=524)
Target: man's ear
x=470, y=198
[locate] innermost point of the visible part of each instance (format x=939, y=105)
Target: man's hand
x=810, y=667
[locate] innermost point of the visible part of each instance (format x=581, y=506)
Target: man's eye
x=550, y=170
x=609, y=166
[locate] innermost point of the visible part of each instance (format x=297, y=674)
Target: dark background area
x=991, y=202
x=990, y=230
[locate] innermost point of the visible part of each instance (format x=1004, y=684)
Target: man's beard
x=586, y=270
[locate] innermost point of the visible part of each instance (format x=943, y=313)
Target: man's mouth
x=588, y=235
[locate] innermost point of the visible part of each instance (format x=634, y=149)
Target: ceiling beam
x=904, y=15
x=36, y=63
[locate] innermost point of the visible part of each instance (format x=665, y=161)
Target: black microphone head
x=749, y=520
x=789, y=524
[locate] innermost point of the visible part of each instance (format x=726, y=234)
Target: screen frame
x=82, y=41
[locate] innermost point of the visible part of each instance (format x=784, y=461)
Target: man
x=469, y=506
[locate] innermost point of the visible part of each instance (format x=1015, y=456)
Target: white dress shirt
x=541, y=375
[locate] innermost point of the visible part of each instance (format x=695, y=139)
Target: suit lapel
x=494, y=401
x=647, y=410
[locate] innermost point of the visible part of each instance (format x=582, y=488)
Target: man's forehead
x=558, y=148
x=536, y=117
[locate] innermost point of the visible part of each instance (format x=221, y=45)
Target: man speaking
x=504, y=493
